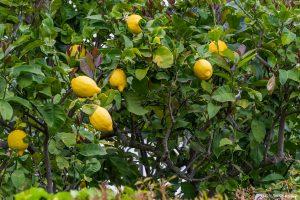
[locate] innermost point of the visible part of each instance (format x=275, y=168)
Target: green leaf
x=2, y=86
x=20, y=101
x=128, y=42
x=54, y=115
x=212, y=110
x=246, y=59
x=95, y=17
x=107, y=97
x=34, y=69
x=141, y=73
x=256, y=154
x=258, y=130
x=273, y=177
x=223, y=94
x=206, y=86
x=69, y=139
x=287, y=37
x=224, y=142
x=6, y=110
x=32, y=194
x=93, y=165
x=55, y=6
x=293, y=74
x=62, y=163
x=89, y=109
x=18, y=178
x=133, y=103
x=163, y=57
x=91, y=150
x=30, y=46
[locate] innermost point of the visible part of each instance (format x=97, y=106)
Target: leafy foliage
x=239, y=128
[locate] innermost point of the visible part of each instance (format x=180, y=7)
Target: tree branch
x=47, y=162
x=280, y=144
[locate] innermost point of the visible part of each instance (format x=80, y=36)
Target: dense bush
x=236, y=128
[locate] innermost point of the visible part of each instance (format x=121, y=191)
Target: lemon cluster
x=84, y=86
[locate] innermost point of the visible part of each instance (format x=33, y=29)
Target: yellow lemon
x=203, y=69
x=84, y=86
x=133, y=24
x=101, y=120
x=213, y=48
x=118, y=79
x=15, y=141
x=76, y=52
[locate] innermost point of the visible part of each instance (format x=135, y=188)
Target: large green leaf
x=6, y=110
x=258, y=130
x=212, y=110
x=18, y=178
x=91, y=150
x=34, y=69
x=53, y=114
x=273, y=177
x=163, y=57
x=69, y=139
x=93, y=165
x=133, y=103
x=20, y=101
x=223, y=94
x=287, y=37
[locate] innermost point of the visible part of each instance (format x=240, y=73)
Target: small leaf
x=224, y=142
x=206, y=86
x=54, y=115
x=69, y=139
x=223, y=94
x=133, y=103
x=212, y=110
x=271, y=85
x=273, y=177
x=18, y=178
x=20, y=101
x=287, y=37
x=258, y=130
x=91, y=150
x=141, y=73
x=34, y=69
x=95, y=17
x=163, y=57
x=128, y=42
x=6, y=110
x=89, y=109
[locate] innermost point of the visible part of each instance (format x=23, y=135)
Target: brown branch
x=131, y=143
x=47, y=162
x=280, y=144
x=169, y=130
x=265, y=63
x=292, y=112
x=68, y=92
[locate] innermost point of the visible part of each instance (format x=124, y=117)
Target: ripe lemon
x=118, y=79
x=133, y=24
x=101, y=120
x=15, y=141
x=203, y=69
x=84, y=86
x=213, y=48
x=76, y=52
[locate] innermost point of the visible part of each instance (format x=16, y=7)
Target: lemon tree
x=204, y=94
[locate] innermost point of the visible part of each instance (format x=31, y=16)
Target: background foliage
x=238, y=129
